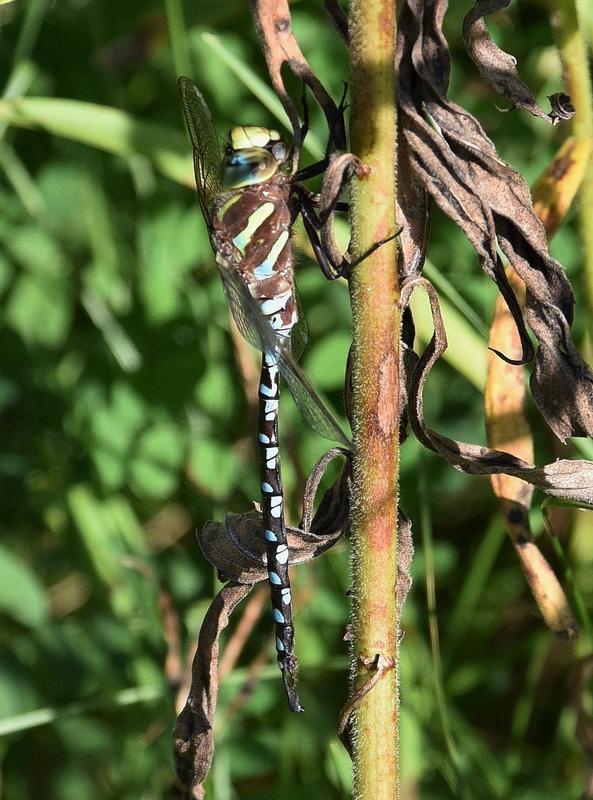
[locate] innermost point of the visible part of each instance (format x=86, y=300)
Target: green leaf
x=72, y=782
x=412, y=750
x=40, y=309
x=169, y=245
x=338, y=766
x=6, y=274
x=215, y=467
x=62, y=184
x=84, y=737
x=21, y=595
x=106, y=128
x=157, y=460
x=17, y=689
x=114, y=427
x=36, y=251
x=9, y=392
x=326, y=363
x=216, y=383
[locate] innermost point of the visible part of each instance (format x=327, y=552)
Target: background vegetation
x=126, y=424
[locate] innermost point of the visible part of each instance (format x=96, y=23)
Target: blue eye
x=247, y=167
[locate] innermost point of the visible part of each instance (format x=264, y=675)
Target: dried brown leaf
x=546, y=589
x=413, y=213
x=237, y=548
x=193, y=738
x=567, y=480
x=279, y=46
x=499, y=69
x=506, y=424
x=490, y=202
x=342, y=169
x=508, y=429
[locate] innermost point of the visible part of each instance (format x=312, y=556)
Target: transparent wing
x=207, y=152
x=256, y=329
x=300, y=333
x=309, y=403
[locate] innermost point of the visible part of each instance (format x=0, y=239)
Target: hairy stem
x=375, y=386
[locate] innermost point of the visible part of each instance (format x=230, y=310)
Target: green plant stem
x=439, y=684
x=573, y=52
x=178, y=37
x=375, y=386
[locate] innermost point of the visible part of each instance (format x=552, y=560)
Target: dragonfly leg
x=342, y=170
x=305, y=104
x=315, y=200
x=312, y=226
x=336, y=137
x=332, y=263
x=374, y=247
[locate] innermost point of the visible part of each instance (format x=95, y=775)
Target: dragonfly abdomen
x=274, y=526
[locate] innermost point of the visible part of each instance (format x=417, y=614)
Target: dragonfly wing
x=256, y=329
x=207, y=152
x=300, y=333
x=309, y=403
x=243, y=308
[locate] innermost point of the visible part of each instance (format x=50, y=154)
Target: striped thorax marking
x=268, y=265
x=254, y=221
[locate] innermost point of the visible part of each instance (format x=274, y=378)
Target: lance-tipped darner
x=249, y=196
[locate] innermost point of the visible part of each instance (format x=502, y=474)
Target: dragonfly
x=249, y=195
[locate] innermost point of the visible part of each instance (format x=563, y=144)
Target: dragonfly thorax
x=255, y=155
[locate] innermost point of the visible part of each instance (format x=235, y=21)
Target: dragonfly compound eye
x=248, y=166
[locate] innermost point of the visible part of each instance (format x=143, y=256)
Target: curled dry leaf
x=237, y=547
x=567, y=480
x=499, y=69
x=193, y=736
x=279, y=46
x=342, y=169
x=413, y=212
x=237, y=550
x=458, y=165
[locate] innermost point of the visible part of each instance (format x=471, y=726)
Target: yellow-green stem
x=375, y=379
x=573, y=53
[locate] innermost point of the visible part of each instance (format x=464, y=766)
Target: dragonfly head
x=254, y=155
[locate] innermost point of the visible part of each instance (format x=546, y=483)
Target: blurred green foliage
x=125, y=425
